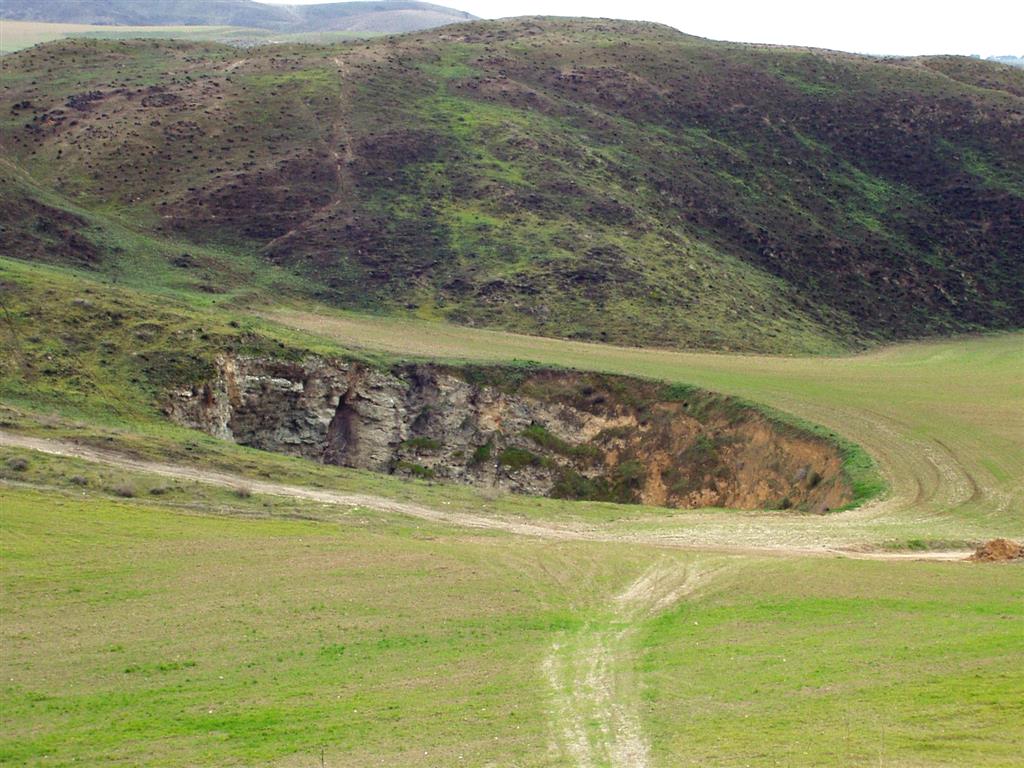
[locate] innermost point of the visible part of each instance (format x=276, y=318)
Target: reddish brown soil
x=999, y=551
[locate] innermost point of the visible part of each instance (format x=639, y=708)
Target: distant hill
x=589, y=179
x=1013, y=61
x=379, y=16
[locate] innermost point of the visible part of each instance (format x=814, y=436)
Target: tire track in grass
x=568, y=531
x=595, y=698
x=595, y=705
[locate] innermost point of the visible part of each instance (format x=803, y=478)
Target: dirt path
x=335, y=136
x=570, y=531
x=595, y=697
x=595, y=701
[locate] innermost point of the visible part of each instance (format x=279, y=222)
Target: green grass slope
x=227, y=631
x=586, y=179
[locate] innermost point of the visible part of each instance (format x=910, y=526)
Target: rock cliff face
x=542, y=432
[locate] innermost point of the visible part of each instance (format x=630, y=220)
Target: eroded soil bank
x=544, y=432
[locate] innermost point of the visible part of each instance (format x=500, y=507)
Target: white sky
x=908, y=27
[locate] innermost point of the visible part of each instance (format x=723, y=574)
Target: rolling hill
x=578, y=178
x=242, y=525
x=381, y=17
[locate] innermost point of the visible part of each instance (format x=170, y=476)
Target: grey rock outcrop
x=417, y=420
x=544, y=433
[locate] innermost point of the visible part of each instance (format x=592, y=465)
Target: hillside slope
x=382, y=16
x=590, y=179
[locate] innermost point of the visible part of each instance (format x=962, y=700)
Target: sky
x=898, y=27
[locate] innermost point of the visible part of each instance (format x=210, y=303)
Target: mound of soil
x=999, y=551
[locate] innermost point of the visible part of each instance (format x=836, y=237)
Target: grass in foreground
x=137, y=635
x=841, y=663
x=137, y=632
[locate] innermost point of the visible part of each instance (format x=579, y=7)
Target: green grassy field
x=16, y=35
x=944, y=419
x=839, y=663
x=167, y=621
x=134, y=634
x=140, y=632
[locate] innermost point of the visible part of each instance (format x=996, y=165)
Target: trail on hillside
x=595, y=697
x=336, y=135
x=568, y=531
x=920, y=473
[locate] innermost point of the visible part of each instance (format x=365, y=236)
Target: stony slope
x=608, y=180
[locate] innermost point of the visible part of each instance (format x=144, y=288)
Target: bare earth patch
x=999, y=551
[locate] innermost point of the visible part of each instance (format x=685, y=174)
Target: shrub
x=545, y=439
x=416, y=470
x=124, y=490
x=517, y=458
x=572, y=485
x=680, y=393
x=703, y=446
x=629, y=472
x=483, y=453
x=422, y=443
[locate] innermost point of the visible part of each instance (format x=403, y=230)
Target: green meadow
x=157, y=620
x=17, y=35
x=138, y=631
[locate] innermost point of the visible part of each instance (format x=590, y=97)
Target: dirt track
x=555, y=531
x=595, y=703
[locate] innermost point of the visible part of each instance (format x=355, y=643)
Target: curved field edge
x=942, y=420
x=81, y=358
x=927, y=455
